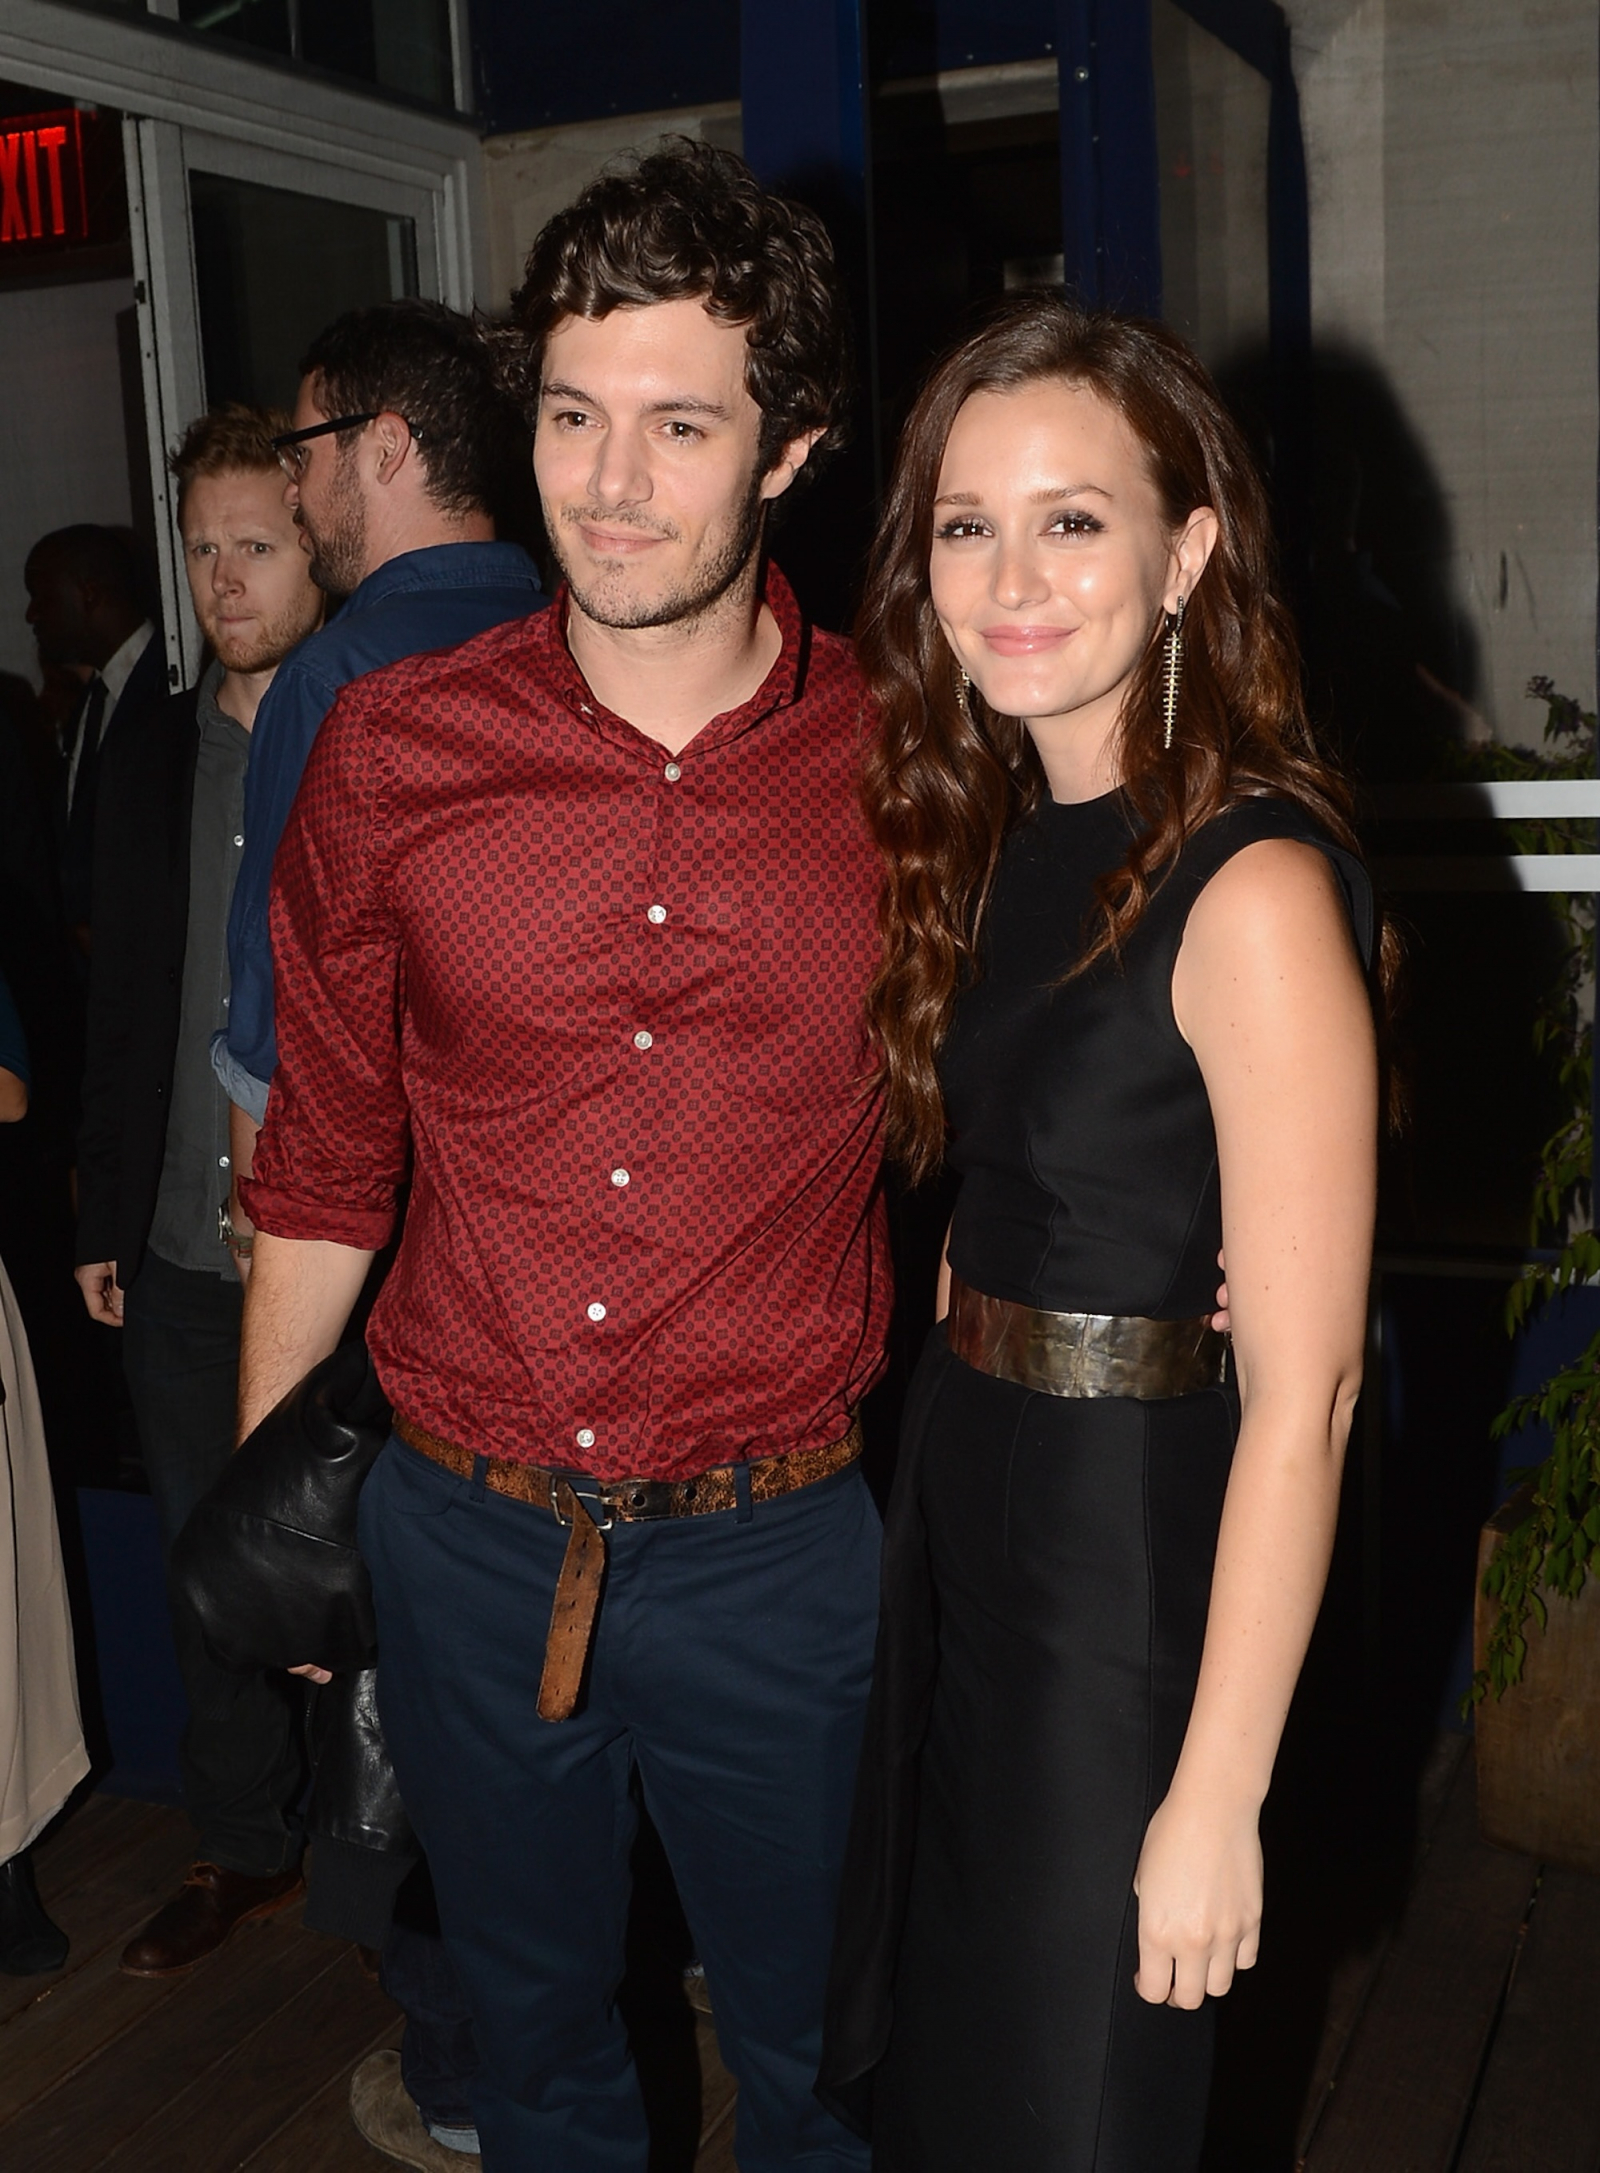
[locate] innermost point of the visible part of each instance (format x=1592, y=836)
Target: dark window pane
x=337, y=34
x=262, y=23
x=273, y=267
x=404, y=45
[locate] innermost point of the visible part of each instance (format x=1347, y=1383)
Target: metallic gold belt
x=1083, y=1354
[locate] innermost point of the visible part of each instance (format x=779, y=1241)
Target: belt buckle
x=597, y=1498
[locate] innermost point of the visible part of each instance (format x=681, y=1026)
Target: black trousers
x=242, y=1759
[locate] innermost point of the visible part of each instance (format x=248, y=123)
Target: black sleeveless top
x=1079, y=1118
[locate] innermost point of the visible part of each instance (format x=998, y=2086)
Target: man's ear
x=391, y=436
x=788, y=464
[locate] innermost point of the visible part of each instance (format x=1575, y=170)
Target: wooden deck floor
x=1457, y=2038
x=1466, y=2041
x=244, y=2062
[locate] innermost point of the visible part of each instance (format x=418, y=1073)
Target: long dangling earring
x=964, y=692
x=1173, y=661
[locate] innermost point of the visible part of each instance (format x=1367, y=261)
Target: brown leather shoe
x=200, y=1916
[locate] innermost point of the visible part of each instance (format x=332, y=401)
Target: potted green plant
x=1536, y=1688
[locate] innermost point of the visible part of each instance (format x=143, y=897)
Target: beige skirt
x=42, y=1758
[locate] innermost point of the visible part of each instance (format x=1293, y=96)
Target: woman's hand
x=1199, y=1889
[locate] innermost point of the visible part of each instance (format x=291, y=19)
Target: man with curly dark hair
x=572, y=927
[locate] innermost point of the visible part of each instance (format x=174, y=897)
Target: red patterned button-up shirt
x=604, y=1006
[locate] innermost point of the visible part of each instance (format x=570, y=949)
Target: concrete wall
x=1454, y=156
x=530, y=175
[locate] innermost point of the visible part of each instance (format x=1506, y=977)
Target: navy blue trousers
x=729, y=1672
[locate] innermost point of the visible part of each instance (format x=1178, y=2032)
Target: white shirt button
x=655, y=915
x=619, y=1177
x=584, y=1437
x=643, y=1039
x=672, y=773
x=222, y=1161
x=596, y=1311
x=238, y=839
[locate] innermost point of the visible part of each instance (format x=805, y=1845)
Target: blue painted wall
x=537, y=64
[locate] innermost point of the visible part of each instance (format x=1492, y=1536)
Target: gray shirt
x=196, y=1171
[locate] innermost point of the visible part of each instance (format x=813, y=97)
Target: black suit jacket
x=140, y=918
x=147, y=685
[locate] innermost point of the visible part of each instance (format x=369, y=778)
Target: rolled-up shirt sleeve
x=335, y=1146
x=242, y=1087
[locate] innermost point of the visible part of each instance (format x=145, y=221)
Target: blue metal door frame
x=1111, y=199
x=805, y=98
x=1110, y=175
x=805, y=91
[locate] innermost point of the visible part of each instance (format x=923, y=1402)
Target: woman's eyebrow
x=1045, y=497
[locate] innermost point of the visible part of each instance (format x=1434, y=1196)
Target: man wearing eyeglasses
x=401, y=442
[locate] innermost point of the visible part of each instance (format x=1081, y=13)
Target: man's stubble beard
x=339, y=544
x=268, y=647
x=705, y=589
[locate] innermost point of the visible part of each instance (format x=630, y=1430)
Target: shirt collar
x=783, y=685
x=445, y=565
x=210, y=716
x=117, y=669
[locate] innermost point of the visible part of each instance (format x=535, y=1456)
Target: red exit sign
x=42, y=196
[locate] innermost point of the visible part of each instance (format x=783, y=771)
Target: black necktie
x=77, y=856
x=91, y=722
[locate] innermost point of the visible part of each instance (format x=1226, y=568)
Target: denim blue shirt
x=432, y=599
x=13, y=1041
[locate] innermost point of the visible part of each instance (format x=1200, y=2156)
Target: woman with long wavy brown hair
x=1123, y=989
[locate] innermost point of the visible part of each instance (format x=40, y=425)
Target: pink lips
x=1025, y=640
x=616, y=543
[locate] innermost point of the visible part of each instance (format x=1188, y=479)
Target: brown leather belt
x=1083, y=1354
x=589, y=1507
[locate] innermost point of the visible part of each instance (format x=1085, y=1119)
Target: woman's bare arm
x=1270, y=995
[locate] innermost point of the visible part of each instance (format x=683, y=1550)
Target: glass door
x=242, y=255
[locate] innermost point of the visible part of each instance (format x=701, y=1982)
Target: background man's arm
x=243, y=1132
x=300, y=1294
